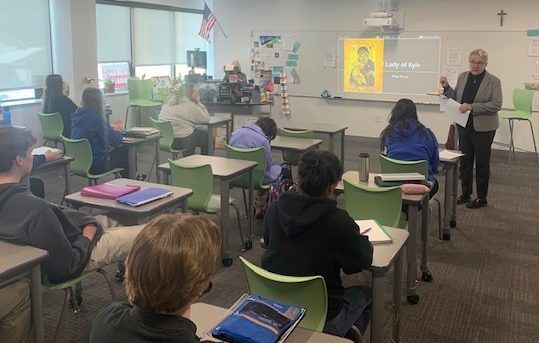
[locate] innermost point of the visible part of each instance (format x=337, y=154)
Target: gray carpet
x=485, y=286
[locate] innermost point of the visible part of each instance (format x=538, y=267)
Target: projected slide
x=390, y=65
x=363, y=65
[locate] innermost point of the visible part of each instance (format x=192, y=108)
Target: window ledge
x=20, y=103
x=116, y=94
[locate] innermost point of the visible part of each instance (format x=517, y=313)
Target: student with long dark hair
x=55, y=100
x=406, y=139
x=106, y=143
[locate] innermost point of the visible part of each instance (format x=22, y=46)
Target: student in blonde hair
x=168, y=268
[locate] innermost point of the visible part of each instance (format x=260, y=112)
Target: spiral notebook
x=144, y=196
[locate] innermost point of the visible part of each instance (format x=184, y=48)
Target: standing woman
x=55, y=100
x=88, y=122
x=480, y=92
x=406, y=139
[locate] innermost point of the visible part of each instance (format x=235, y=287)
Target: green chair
x=167, y=137
x=249, y=154
x=308, y=292
x=522, y=101
x=200, y=180
x=391, y=165
x=381, y=204
x=291, y=158
x=81, y=151
x=140, y=93
x=52, y=126
x=72, y=289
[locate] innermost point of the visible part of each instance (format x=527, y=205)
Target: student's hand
x=89, y=231
x=52, y=155
x=465, y=107
x=117, y=125
x=443, y=81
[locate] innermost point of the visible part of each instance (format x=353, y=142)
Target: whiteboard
x=508, y=60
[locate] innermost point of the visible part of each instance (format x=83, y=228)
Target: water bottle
x=363, y=167
x=6, y=116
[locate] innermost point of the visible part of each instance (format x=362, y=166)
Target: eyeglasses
x=476, y=63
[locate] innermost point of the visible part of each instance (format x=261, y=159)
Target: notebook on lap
x=144, y=196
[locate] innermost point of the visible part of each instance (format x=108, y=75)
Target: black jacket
x=27, y=219
x=64, y=106
x=121, y=322
x=311, y=236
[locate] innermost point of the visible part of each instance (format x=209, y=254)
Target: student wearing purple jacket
x=256, y=135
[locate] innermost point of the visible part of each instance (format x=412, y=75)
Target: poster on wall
x=363, y=61
x=272, y=42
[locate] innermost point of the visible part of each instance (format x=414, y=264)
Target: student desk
x=294, y=144
x=450, y=195
x=413, y=202
x=142, y=213
x=206, y=316
x=132, y=144
x=17, y=260
x=323, y=128
x=61, y=163
x=224, y=169
x=215, y=122
x=237, y=108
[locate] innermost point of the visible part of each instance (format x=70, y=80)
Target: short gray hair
x=481, y=53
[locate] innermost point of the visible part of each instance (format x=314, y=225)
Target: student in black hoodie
x=306, y=234
x=56, y=101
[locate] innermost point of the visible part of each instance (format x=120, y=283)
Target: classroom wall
x=366, y=118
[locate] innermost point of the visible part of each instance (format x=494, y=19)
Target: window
x=113, y=33
x=25, y=46
x=153, y=37
x=147, y=72
x=118, y=73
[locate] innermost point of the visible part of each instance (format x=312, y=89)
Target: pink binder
x=108, y=191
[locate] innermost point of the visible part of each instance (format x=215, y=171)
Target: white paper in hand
x=452, y=112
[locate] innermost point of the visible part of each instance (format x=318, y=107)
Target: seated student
x=55, y=99
x=168, y=268
x=256, y=135
x=16, y=312
x=106, y=142
x=306, y=234
x=406, y=139
x=74, y=240
x=241, y=77
x=185, y=111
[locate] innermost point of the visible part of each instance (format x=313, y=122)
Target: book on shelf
x=144, y=196
x=108, y=191
x=376, y=232
x=254, y=319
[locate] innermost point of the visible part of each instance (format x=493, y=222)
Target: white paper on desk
x=43, y=149
x=452, y=112
x=449, y=155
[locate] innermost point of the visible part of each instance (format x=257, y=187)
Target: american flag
x=208, y=21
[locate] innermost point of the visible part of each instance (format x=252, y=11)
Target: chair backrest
x=81, y=151
x=167, y=133
x=381, y=204
x=391, y=165
x=308, y=292
x=52, y=125
x=292, y=157
x=139, y=89
x=248, y=154
x=522, y=100
x=198, y=178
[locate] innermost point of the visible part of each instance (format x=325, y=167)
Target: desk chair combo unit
x=291, y=158
x=52, y=126
x=166, y=139
x=522, y=101
x=140, y=93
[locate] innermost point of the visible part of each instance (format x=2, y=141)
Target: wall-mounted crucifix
x=501, y=14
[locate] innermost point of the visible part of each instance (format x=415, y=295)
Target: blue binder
x=144, y=196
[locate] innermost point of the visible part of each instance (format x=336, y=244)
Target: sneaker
x=477, y=203
x=463, y=199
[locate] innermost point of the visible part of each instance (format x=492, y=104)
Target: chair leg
x=247, y=213
x=511, y=142
x=109, y=283
x=534, y=145
x=239, y=225
x=440, y=228
x=60, y=319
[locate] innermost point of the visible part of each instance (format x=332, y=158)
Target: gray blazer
x=487, y=102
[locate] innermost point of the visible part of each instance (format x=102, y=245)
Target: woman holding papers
x=480, y=92
x=406, y=139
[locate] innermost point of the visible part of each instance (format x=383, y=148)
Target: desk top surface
x=179, y=194
x=222, y=167
x=17, y=259
x=385, y=254
x=59, y=162
x=316, y=127
x=206, y=316
x=450, y=160
x=140, y=140
x=294, y=143
x=247, y=104
x=219, y=119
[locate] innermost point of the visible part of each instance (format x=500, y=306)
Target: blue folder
x=144, y=196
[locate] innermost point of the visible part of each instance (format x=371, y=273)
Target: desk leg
x=37, y=304
x=425, y=273
x=249, y=243
x=210, y=141
x=453, y=222
x=378, y=312
x=132, y=161
x=67, y=181
x=342, y=147
x=227, y=125
x=397, y=296
x=157, y=176
x=184, y=206
x=448, y=189
x=411, y=249
x=331, y=143
x=225, y=223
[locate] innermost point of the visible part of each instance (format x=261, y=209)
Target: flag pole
x=223, y=31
